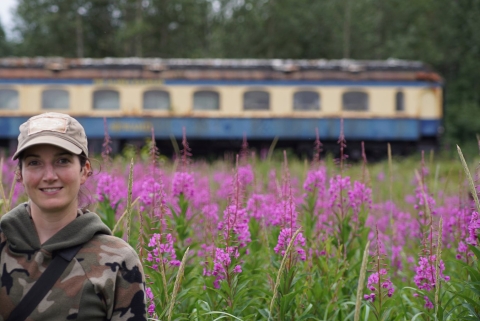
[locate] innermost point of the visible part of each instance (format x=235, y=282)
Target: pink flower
x=210, y=213
x=235, y=220
x=256, y=206
x=183, y=182
x=428, y=303
x=149, y=294
x=284, y=239
x=358, y=196
x=221, y=264
x=337, y=184
x=373, y=281
x=316, y=180
x=419, y=194
x=163, y=250
x=153, y=195
x=369, y=297
x=462, y=248
x=472, y=229
x=151, y=309
x=225, y=182
x=112, y=188
x=426, y=272
x=237, y=269
x=245, y=175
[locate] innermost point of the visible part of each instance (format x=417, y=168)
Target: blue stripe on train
x=179, y=82
x=254, y=128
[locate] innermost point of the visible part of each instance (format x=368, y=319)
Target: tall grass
x=237, y=225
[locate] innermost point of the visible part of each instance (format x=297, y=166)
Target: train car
x=220, y=101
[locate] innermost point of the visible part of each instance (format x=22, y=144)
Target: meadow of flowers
x=282, y=239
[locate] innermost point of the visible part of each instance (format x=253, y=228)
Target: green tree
x=68, y=28
x=442, y=33
x=5, y=46
x=179, y=28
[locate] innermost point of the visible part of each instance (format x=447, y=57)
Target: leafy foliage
x=443, y=33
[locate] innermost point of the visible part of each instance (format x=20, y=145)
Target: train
x=220, y=102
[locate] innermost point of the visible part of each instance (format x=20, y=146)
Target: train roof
x=228, y=69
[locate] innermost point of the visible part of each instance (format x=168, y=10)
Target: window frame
x=206, y=90
x=54, y=89
x=356, y=91
x=169, y=96
x=106, y=89
x=257, y=90
x=17, y=97
x=400, y=94
x=306, y=90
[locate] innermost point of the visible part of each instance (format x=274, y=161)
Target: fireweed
x=237, y=276
x=161, y=259
x=465, y=224
x=162, y=251
x=378, y=283
x=9, y=181
x=112, y=189
x=111, y=194
x=288, y=219
x=343, y=207
x=226, y=260
x=429, y=271
x=287, y=275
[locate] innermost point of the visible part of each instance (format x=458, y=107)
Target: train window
x=8, y=99
x=106, y=100
x=355, y=101
x=55, y=99
x=306, y=100
x=156, y=100
x=399, y=101
x=206, y=100
x=256, y=100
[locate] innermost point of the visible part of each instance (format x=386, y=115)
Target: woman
x=102, y=276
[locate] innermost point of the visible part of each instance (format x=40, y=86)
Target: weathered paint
x=381, y=101
x=236, y=128
x=334, y=83
x=429, y=128
x=200, y=82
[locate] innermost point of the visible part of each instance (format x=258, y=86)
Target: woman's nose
x=49, y=173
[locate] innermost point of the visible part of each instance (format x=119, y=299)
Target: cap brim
x=49, y=140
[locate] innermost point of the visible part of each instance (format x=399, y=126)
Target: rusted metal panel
x=235, y=128
x=233, y=69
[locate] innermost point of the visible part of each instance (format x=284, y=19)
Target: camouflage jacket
x=104, y=281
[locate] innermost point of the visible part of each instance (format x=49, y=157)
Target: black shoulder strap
x=46, y=281
x=2, y=244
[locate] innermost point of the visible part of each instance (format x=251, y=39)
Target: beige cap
x=54, y=129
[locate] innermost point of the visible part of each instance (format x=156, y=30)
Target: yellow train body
x=217, y=100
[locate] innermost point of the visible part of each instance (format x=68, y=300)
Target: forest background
x=442, y=33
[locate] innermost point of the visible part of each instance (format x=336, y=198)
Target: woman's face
x=52, y=177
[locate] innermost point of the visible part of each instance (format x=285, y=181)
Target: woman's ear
x=86, y=172
x=18, y=175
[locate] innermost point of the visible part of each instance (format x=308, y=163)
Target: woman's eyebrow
x=56, y=155
x=31, y=155
x=64, y=154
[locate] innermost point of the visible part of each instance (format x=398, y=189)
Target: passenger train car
x=220, y=101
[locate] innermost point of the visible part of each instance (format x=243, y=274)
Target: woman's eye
x=33, y=163
x=63, y=161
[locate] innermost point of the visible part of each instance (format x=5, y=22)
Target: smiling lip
x=51, y=189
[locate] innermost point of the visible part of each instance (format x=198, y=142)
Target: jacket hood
x=18, y=227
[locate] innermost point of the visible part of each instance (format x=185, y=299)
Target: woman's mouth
x=50, y=189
